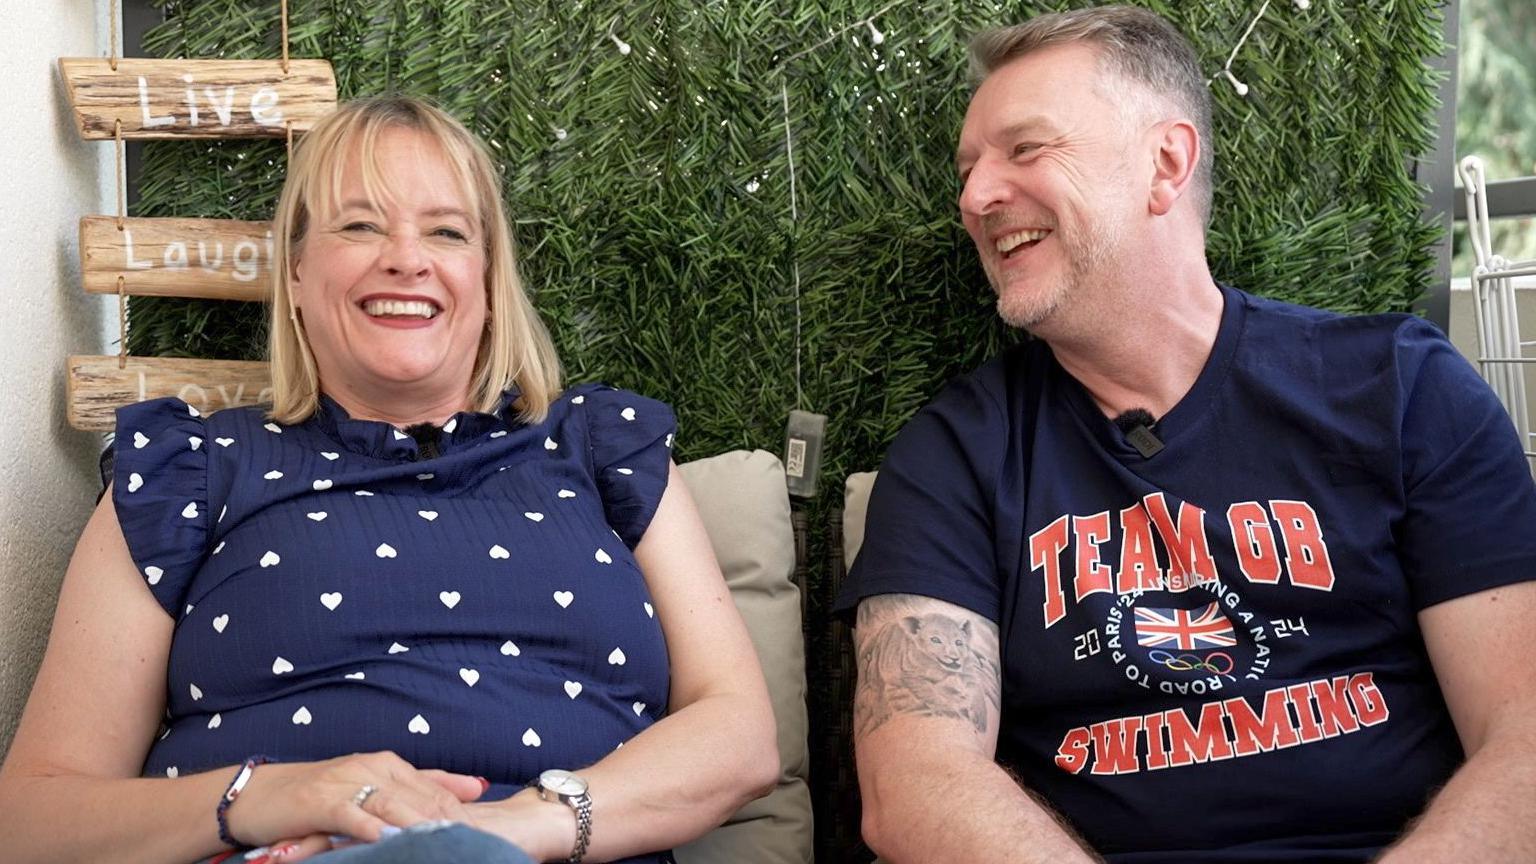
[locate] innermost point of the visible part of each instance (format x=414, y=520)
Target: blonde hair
x=1135, y=45
x=515, y=348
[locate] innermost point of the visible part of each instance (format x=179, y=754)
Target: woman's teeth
x=400, y=309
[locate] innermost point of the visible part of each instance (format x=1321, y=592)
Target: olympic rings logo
x=1212, y=662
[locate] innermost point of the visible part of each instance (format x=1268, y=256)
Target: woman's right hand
x=283, y=801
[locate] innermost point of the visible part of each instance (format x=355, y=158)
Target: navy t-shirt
x=479, y=612
x=1212, y=654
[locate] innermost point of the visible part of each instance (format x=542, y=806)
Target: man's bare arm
x=1478, y=644
x=925, y=733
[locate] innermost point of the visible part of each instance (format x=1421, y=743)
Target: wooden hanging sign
x=197, y=98
x=219, y=259
x=97, y=387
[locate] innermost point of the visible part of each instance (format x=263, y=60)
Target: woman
x=425, y=553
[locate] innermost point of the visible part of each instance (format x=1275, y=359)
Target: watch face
x=562, y=783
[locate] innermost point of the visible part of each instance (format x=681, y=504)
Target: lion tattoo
x=921, y=664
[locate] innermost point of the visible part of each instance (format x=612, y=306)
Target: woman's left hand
x=546, y=830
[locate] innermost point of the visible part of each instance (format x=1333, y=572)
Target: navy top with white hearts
x=479, y=612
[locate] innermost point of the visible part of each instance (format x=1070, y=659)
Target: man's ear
x=1173, y=164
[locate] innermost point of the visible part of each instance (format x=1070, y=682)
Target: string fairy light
x=876, y=37
x=1226, y=69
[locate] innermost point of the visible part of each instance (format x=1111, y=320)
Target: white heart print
x=329, y=456
x=650, y=611
x=215, y=721
x=134, y=482
x=578, y=400
x=172, y=772
x=353, y=676
x=280, y=666
x=273, y=428
x=190, y=511
x=470, y=676
x=549, y=444
x=625, y=471
x=566, y=493
x=195, y=441
x=301, y=717
x=534, y=516
x=425, y=476
x=321, y=485
x=273, y=475
x=153, y=574
x=452, y=424
x=330, y=600
x=428, y=515
x=616, y=657
x=385, y=551
x=397, y=648
x=498, y=551
x=317, y=516
x=564, y=598
x=221, y=622
x=531, y=738
x=271, y=559
x=223, y=442
x=627, y=413
x=139, y=441
x=603, y=557
x=196, y=693
x=419, y=725
x=448, y=598
x=573, y=689
x=508, y=649
x=638, y=708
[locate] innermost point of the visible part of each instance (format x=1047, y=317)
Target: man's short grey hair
x=1134, y=45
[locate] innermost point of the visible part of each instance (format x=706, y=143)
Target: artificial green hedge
x=651, y=189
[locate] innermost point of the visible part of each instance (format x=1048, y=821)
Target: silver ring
x=364, y=794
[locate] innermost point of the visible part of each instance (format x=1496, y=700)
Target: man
x=1195, y=576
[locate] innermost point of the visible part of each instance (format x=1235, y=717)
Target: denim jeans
x=427, y=843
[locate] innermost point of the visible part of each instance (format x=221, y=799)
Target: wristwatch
x=569, y=789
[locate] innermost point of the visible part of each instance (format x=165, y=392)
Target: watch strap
x=582, y=804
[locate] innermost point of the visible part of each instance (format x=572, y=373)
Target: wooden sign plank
x=197, y=98
x=97, y=387
x=218, y=259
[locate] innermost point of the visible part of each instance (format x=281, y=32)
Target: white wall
x=49, y=178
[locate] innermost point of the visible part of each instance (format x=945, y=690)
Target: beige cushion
x=745, y=506
x=855, y=507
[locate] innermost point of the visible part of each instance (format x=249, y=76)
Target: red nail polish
x=485, y=785
x=284, y=851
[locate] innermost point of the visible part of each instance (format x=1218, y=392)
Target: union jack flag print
x=1186, y=629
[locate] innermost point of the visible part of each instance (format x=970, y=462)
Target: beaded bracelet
x=236, y=786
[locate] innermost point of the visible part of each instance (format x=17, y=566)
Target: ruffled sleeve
x=631, y=441
x=160, y=490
